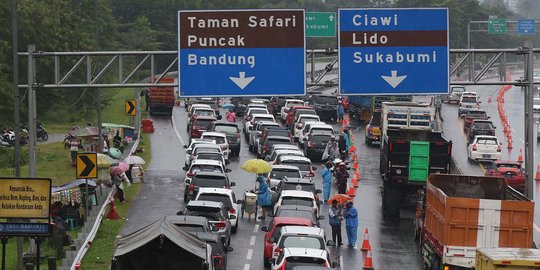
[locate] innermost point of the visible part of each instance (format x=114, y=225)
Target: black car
x=299, y=211
x=316, y=144
x=324, y=105
x=481, y=127
x=265, y=146
x=219, y=252
x=205, y=179
x=233, y=134
x=290, y=183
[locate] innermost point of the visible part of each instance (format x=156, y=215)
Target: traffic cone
x=537, y=177
x=352, y=149
x=350, y=190
x=354, y=182
x=112, y=212
x=357, y=175
x=365, y=243
x=368, y=262
x=355, y=157
x=520, y=157
x=510, y=145
x=505, y=129
x=355, y=165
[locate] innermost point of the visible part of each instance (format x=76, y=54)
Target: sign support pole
x=38, y=244
x=529, y=120
x=4, y=242
x=86, y=199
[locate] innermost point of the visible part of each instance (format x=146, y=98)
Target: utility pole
x=529, y=120
x=32, y=158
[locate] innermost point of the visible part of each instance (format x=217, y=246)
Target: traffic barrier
x=537, y=176
x=368, y=262
x=520, y=157
x=365, y=242
x=510, y=145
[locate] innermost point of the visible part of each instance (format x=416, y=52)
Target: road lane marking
x=252, y=241
x=256, y=228
x=246, y=266
x=249, y=254
x=341, y=266
x=513, y=130
x=460, y=124
x=482, y=167
x=176, y=131
x=521, y=140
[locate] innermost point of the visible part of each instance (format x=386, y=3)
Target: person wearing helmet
x=331, y=151
x=341, y=178
x=340, y=112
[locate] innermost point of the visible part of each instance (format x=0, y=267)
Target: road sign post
x=86, y=169
x=496, y=26
x=320, y=24
x=241, y=53
x=525, y=26
x=131, y=107
x=393, y=51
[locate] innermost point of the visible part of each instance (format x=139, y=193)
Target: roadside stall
x=117, y=135
x=68, y=201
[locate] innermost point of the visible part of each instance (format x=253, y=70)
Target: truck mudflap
x=459, y=256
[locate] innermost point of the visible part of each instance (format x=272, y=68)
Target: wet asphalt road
x=161, y=194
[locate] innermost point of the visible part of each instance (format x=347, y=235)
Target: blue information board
x=393, y=51
x=241, y=53
x=525, y=27
x=24, y=229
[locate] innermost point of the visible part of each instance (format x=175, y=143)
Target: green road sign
x=497, y=26
x=320, y=24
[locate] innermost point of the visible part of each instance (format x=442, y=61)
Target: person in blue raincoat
x=327, y=180
x=340, y=112
x=350, y=213
x=264, y=198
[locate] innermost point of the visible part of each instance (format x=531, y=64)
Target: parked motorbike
x=41, y=132
x=7, y=138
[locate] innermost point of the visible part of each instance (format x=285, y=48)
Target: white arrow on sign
x=394, y=80
x=331, y=17
x=242, y=81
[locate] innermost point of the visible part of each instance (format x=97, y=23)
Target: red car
x=511, y=171
x=273, y=229
x=473, y=115
x=200, y=124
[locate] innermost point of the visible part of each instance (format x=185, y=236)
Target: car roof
x=302, y=230
x=186, y=219
x=486, y=137
x=297, y=180
x=198, y=105
x=293, y=220
x=207, y=145
x=318, y=124
x=296, y=208
x=225, y=191
x=300, y=107
x=216, y=134
x=294, y=100
x=284, y=167
x=297, y=193
x=224, y=123
x=207, y=108
x=285, y=146
x=204, y=204
x=199, y=174
x=206, y=162
x=482, y=121
x=314, y=116
x=268, y=123
x=205, y=117
x=261, y=115
x=305, y=252
x=285, y=151
x=296, y=158
x=278, y=137
x=202, y=141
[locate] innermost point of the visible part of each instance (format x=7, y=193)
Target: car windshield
x=279, y=174
x=218, y=139
x=209, y=182
x=325, y=100
x=509, y=166
x=192, y=228
x=294, y=261
x=301, y=241
x=197, y=168
x=483, y=125
x=224, y=198
x=487, y=141
x=288, y=153
x=303, y=166
x=468, y=99
x=299, y=186
x=226, y=129
x=296, y=201
x=204, y=123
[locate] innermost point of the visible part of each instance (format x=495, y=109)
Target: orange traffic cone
x=365, y=243
x=352, y=149
x=510, y=144
x=355, y=165
x=537, y=177
x=354, y=182
x=357, y=175
x=505, y=129
x=350, y=190
x=112, y=212
x=520, y=157
x=355, y=157
x=368, y=262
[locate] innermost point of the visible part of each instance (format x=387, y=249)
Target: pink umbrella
x=120, y=169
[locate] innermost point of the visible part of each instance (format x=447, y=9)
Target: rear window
x=207, y=149
x=212, y=214
x=296, y=201
x=278, y=132
x=205, y=168
x=509, y=165
x=299, y=186
x=203, y=123
x=277, y=140
x=487, y=141
x=320, y=138
x=226, y=129
x=325, y=100
x=225, y=199
x=296, y=213
x=293, y=262
x=257, y=111
x=204, y=112
x=301, y=165
x=264, y=118
x=301, y=241
x=468, y=99
x=306, y=111
x=209, y=182
x=477, y=114
x=483, y=125
x=280, y=174
x=210, y=156
x=304, y=120
x=218, y=139
x=192, y=228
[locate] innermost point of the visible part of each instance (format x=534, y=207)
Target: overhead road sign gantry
x=496, y=26
x=241, y=53
x=393, y=51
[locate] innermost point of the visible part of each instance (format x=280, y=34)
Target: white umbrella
x=134, y=160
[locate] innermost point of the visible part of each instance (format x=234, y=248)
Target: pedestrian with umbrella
x=335, y=219
x=231, y=116
x=118, y=178
x=133, y=160
x=260, y=167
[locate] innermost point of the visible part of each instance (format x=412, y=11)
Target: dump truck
x=507, y=258
x=361, y=108
x=161, y=99
x=410, y=151
x=457, y=214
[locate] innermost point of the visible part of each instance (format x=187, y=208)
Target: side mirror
x=230, y=249
x=239, y=201
x=188, y=181
x=273, y=261
x=185, y=146
x=219, y=117
x=314, y=168
x=185, y=168
x=318, y=191
x=273, y=188
x=233, y=184
x=180, y=213
x=227, y=162
x=321, y=218
x=305, y=139
x=188, y=152
x=330, y=243
x=272, y=239
x=228, y=170
x=264, y=228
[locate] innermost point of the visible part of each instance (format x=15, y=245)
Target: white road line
x=246, y=266
x=521, y=140
x=256, y=228
x=513, y=130
x=176, y=131
x=249, y=254
x=252, y=241
x=341, y=263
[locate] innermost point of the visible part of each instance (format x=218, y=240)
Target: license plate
x=486, y=156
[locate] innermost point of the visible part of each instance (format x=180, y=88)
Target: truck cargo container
x=507, y=258
x=459, y=214
x=362, y=107
x=161, y=99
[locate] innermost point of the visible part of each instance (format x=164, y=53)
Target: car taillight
x=232, y=211
x=298, y=126
x=499, y=148
x=283, y=267
x=191, y=187
x=238, y=135
x=220, y=224
x=310, y=145
x=474, y=147
x=277, y=251
x=218, y=261
x=190, y=174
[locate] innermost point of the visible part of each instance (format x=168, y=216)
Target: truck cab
x=373, y=129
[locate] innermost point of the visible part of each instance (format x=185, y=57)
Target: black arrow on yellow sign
x=131, y=107
x=87, y=165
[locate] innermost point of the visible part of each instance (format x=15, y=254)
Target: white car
x=288, y=104
x=303, y=163
x=297, y=197
x=299, y=237
x=192, y=145
x=227, y=197
x=484, y=147
x=536, y=104
x=205, y=165
x=285, y=152
x=259, y=101
x=197, y=106
x=276, y=147
x=254, y=110
x=310, y=127
x=221, y=140
x=255, y=118
x=303, y=119
x=199, y=111
x=468, y=101
x=278, y=172
x=200, y=148
x=304, y=257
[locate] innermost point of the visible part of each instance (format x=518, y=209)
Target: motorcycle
x=7, y=138
x=41, y=132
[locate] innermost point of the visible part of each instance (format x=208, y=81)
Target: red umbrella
x=120, y=169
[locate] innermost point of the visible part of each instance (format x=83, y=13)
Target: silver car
x=455, y=94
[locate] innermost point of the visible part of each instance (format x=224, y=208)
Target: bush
x=7, y=157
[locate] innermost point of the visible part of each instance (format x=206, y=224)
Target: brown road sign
x=86, y=165
x=131, y=107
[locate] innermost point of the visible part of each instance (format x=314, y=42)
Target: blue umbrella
x=227, y=106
